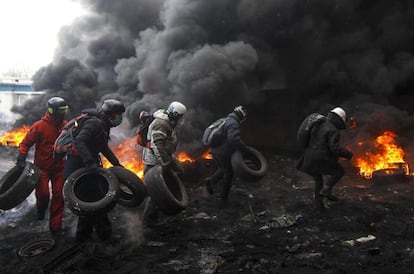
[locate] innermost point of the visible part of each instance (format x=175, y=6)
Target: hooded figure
x=322, y=154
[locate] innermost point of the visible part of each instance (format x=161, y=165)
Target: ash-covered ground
x=269, y=226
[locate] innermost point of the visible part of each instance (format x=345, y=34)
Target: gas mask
x=117, y=120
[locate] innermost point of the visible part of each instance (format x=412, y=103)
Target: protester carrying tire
x=90, y=140
x=222, y=151
x=162, y=143
x=42, y=136
x=322, y=153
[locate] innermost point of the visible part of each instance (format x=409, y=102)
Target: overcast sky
x=29, y=31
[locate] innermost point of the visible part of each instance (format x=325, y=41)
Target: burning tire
x=17, y=184
x=389, y=175
x=166, y=190
x=131, y=189
x=91, y=191
x=250, y=165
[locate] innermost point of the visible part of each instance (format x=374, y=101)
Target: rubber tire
x=393, y=176
x=249, y=165
x=17, y=184
x=81, y=181
x=137, y=191
x=166, y=190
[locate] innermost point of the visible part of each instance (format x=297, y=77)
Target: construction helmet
x=176, y=108
x=340, y=112
x=241, y=113
x=57, y=106
x=175, y=112
x=112, y=106
x=113, y=109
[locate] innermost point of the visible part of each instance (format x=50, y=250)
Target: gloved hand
x=21, y=160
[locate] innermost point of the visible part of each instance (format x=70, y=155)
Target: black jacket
x=92, y=139
x=324, y=149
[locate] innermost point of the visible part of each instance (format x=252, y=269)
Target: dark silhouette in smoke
x=213, y=55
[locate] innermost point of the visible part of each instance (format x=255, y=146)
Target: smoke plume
x=217, y=54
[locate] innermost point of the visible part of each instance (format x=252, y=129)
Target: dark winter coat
x=163, y=141
x=92, y=139
x=43, y=134
x=233, y=139
x=324, y=149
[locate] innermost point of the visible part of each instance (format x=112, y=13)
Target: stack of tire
x=17, y=184
x=115, y=185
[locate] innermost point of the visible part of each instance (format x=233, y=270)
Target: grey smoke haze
x=216, y=54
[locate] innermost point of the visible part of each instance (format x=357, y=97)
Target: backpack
x=214, y=134
x=64, y=142
x=142, y=131
x=304, y=131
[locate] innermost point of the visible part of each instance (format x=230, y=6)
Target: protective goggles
x=63, y=109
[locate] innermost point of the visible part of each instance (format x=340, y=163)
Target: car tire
x=250, y=164
x=166, y=190
x=91, y=191
x=17, y=184
x=132, y=191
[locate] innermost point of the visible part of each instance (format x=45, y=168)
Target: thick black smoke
x=213, y=55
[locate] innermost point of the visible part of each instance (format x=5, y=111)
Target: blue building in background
x=13, y=91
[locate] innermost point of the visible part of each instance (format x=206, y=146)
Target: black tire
x=17, y=184
x=91, y=191
x=249, y=165
x=132, y=191
x=166, y=190
x=389, y=176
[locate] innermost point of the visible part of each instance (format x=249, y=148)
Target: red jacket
x=43, y=134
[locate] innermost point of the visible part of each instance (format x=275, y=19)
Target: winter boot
x=327, y=192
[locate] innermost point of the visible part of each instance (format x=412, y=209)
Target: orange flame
x=130, y=157
x=14, y=137
x=387, y=155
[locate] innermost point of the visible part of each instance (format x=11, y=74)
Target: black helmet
x=241, y=113
x=57, y=106
x=111, y=106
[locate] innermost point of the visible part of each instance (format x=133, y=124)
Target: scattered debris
x=359, y=240
x=65, y=259
x=280, y=222
x=36, y=247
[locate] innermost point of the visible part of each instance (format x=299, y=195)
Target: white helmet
x=340, y=112
x=176, y=109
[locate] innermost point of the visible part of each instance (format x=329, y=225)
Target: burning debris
x=382, y=156
x=14, y=137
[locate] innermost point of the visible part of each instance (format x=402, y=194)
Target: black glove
x=21, y=160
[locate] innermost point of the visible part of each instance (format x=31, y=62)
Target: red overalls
x=43, y=134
